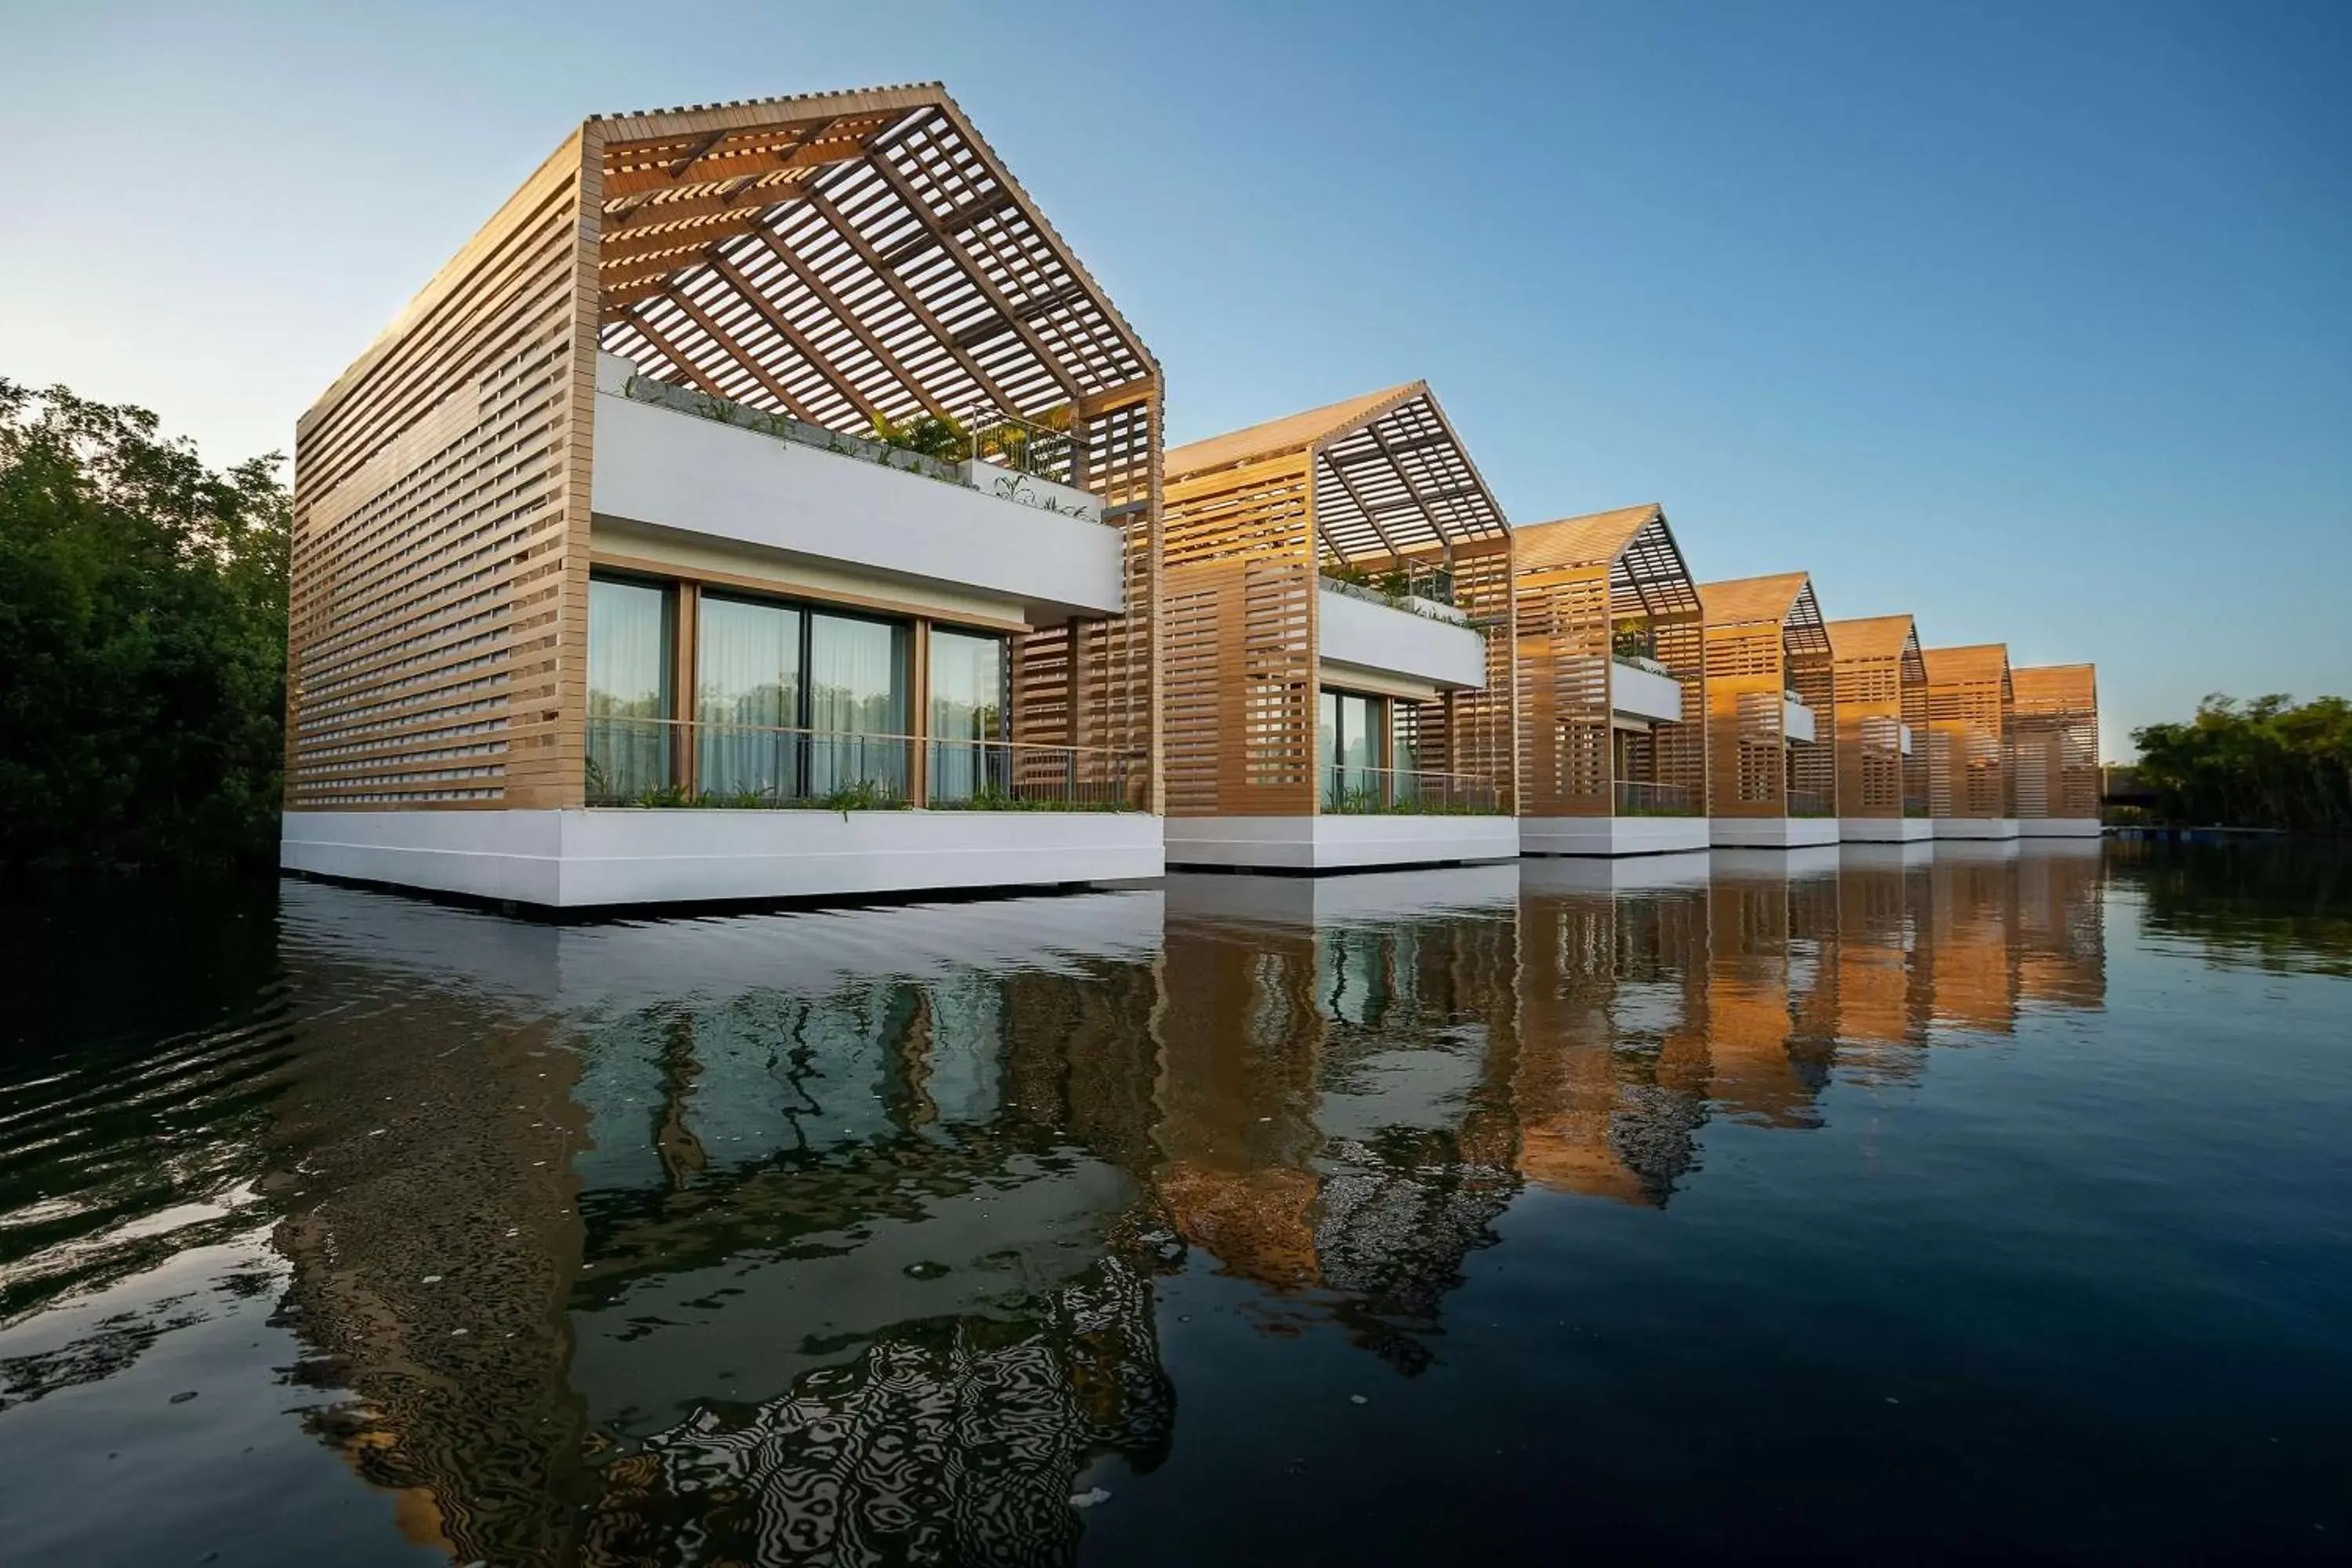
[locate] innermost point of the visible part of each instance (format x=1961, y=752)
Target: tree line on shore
x=143, y=643
x=2268, y=763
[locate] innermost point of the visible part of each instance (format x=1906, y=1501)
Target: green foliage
x=142, y=642
x=996, y=797
x=2269, y=763
x=926, y=435
x=864, y=794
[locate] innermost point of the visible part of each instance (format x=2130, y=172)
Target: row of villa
x=767, y=503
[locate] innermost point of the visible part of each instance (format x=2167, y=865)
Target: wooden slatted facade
x=2054, y=738
x=1376, y=482
x=1969, y=754
x=843, y=258
x=1881, y=691
x=1576, y=583
x=1765, y=637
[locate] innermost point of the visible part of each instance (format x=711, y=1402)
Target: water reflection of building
x=833, y=1244
x=1971, y=948
x=2060, y=923
x=1330, y=1121
x=1611, y=1081
x=1879, y=977
x=1772, y=915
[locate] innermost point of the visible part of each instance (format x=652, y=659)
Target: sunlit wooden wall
x=1969, y=755
x=2056, y=739
x=1881, y=686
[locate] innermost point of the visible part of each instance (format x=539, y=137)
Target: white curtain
x=628, y=690
x=856, y=690
x=747, y=689
x=967, y=715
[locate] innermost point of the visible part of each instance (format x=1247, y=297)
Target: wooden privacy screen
x=1376, y=481
x=1882, y=688
x=1765, y=637
x=1968, y=759
x=2054, y=737
x=1573, y=583
x=840, y=257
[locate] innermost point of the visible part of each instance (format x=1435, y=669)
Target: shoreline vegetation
x=2267, y=762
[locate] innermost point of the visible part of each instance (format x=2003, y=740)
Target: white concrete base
x=1885, y=830
x=1976, y=827
x=1337, y=842
x=1780, y=865
x=1623, y=873
x=588, y=859
x=1370, y=896
x=1771, y=832
x=1612, y=835
x=2058, y=828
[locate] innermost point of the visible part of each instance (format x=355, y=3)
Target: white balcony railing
x=1401, y=643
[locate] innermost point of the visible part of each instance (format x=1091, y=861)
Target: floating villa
x=1969, y=792
x=1882, y=719
x=1335, y=645
x=2055, y=741
x=1611, y=673
x=764, y=503
x=1771, y=717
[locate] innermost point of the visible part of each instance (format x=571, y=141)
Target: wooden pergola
x=2054, y=739
x=1765, y=637
x=842, y=257
x=1969, y=715
x=1881, y=689
x=1376, y=482
x=1577, y=583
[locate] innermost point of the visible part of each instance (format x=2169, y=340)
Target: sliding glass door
x=629, y=740
x=857, y=705
x=968, y=676
x=1349, y=734
x=747, y=696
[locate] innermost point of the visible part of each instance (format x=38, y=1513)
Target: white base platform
x=1771, y=832
x=1976, y=827
x=1338, y=843
x=588, y=859
x=2058, y=828
x=1620, y=874
x=1885, y=830
x=1612, y=835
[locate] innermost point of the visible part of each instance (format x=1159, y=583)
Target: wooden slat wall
x=439, y=569
x=1562, y=628
x=1746, y=673
x=1812, y=676
x=1481, y=735
x=1881, y=686
x=2055, y=734
x=1968, y=723
x=1237, y=662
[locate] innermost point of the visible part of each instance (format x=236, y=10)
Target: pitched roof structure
x=1875, y=636
x=1786, y=597
x=1972, y=661
x=846, y=257
x=1391, y=476
x=2055, y=689
x=1645, y=565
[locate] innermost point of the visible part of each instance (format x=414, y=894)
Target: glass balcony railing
x=1407, y=791
x=1637, y=798
x=670, y=763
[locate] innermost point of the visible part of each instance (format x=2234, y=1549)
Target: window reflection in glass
x=748, y=699
x=967, y=715
x=629, y=641
x=1349, y=734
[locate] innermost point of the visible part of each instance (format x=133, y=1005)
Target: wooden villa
x=1970, y=760
x=1612, y=688
x=2055, y=741
x=1335, y=648
x=757, y=464
x=1771, y=714
x=1882, y=725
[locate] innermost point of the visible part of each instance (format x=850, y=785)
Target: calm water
x=1963, y=1206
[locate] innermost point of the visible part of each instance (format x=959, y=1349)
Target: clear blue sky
x=2034, y=320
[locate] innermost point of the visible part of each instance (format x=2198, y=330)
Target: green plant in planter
x=925, y=435
x=668, y=797
x=864, y=794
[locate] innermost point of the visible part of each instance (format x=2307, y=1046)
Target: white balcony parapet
x=1796, y=720
x=1906, y=729
x=1638, y=692
x=1040, y=548
x=1356, y=631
